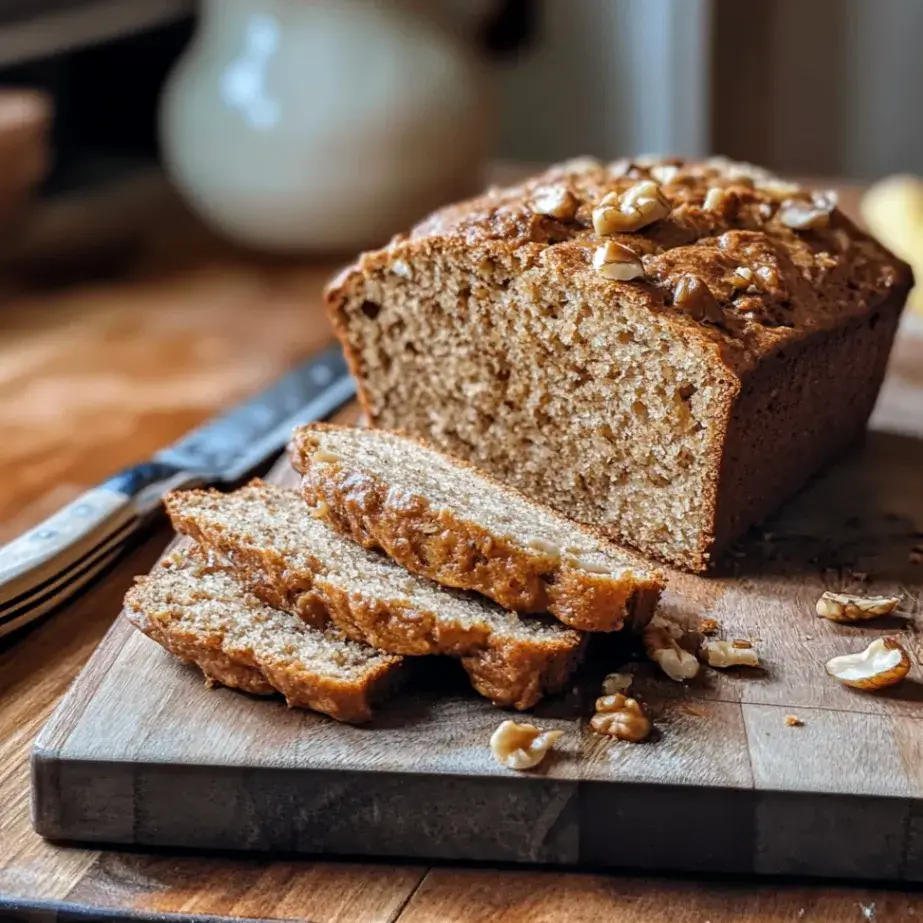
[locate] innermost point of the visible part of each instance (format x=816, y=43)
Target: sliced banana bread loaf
x=664, y=349
x=268, y=538
x=202, y=615
x=448, y=521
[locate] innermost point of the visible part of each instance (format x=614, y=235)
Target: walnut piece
x=777, y=188
x=718, y=199
x=617, y=263
x=694, y=297
x=708, y=625
x=617, y=682
x=555, y=202
x=668, y=655
x=663, y=173
x=621, y=717
x=743, y=277
x=636, y=208
x=883, y=663
x=724, y=654
x=793, y=721
x=843, y=607
x=813, y=215
x=521, y=746
x=325, y=455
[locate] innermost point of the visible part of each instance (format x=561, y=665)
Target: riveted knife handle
x=43, y=568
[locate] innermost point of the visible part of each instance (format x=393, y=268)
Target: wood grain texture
x=43, y=332
x=836, y=796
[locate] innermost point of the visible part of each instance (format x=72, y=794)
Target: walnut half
x=617, y=263
x=621, y=717
x=843, y=607
x=883, y=663
x=521, y=746
x=668, y=655
x=636, y=208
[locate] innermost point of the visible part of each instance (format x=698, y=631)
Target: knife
x=47, y=565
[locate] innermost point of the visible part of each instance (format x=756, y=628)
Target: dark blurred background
x=819, y=87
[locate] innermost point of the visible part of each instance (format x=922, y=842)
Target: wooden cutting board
x=140, y=752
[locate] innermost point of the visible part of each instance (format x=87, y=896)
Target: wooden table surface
x=98, y=376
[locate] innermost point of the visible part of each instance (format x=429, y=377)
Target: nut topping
x=668, y=655
x=617, y=682
x=694, y=297
x=636, y=208
x=663, y=173
x=718, y=199
x=778, y=189
x=801, y=215
x=724, y=654
x=617, y=263
x=555, y=202
x=743, y=277
x=621, y=717
x=325, y=455
x=769, y=276
x=521, y=746
x=883, y=663
x=842, y=607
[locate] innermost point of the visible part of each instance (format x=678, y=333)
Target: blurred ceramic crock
x=322, y=125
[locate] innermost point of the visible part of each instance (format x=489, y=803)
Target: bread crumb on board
x=793, y=721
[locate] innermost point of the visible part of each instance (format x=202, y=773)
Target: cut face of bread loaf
x=450, y=522
x=668, y=364
x=276, y=549
x=202, y=615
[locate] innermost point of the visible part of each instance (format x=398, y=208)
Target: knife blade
x=47, y=565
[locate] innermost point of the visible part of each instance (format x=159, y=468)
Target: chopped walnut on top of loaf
x=756, y=245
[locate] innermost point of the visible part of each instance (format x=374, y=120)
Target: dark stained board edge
x=542, y=820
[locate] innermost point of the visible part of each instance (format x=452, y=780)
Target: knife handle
x=48, y=564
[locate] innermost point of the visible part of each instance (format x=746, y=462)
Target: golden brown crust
x=804, y=280
x=511, y=671
x=461, y=553
x=238, y=660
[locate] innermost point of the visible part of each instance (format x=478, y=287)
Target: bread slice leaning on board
x=202, y=615
x=444, y=519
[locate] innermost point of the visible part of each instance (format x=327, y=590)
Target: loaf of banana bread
x=663, y=349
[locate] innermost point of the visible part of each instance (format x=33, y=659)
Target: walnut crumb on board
x=708, y=626
x=793, y=721
x=521, y=746
x=845, y=607
x=883, y=663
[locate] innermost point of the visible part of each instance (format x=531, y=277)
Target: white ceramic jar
x=322, y=125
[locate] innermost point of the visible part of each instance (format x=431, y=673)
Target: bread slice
x=448, y=521
x=202, y=615
x=669, y=373
x=293, y=561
